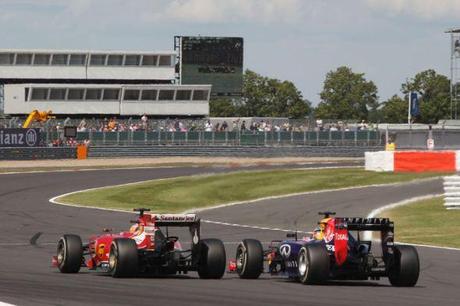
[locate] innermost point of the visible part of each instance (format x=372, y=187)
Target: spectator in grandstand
x=208, y=126
x=243, y=126
x=112, y=125
x=217, y=127
x=362, y=125
x=82, y=126
x=235, y=124
x=144, y=121
x=224, y=126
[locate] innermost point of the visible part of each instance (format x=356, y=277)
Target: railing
x=236, y=138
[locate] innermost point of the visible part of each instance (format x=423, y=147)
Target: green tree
x=394, y=110
x=347, y=95
x=434, y=91
x=223, y=107
x=267, y=97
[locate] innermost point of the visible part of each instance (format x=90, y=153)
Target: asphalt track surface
x=26, y=277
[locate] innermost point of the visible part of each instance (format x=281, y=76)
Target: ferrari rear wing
x=365, y=224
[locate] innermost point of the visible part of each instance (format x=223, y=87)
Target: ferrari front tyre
x=249, y=259
x=69, y=253
x=212, y=263
x=123, y=258
x=405, y=268
x=313, y=264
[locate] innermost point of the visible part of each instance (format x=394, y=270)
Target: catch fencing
x=292, y=138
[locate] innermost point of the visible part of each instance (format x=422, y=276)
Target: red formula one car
x=144, y=249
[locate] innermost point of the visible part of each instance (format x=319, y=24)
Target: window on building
x=39, y=94
x=200, y=95
x=166, y=95
x=57, y=94
x=132, y=60
x=111, y=94
x=93, y=94
x=6, y=58
x=23, y=59
x=75, y=94
x=131, y=95
x=77, y=59
x=149, y=95
x=115, y=60
x=165, y=60
x=26, y=94
x=97, y=59
x=183, y=95
x=42, y=59
x=149, y=60
x=59, y=59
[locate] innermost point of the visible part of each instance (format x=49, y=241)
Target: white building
x=76, y=82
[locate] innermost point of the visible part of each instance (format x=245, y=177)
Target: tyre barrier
x=38, y=153
x=413, y=161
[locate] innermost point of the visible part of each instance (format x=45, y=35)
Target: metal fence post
x=292, y=137
x=368, y=137
x=317, y=137
x=118, y=138
x=304, y=137
x=226, y=138
x=212, y=137
x=330, y=138
x=265, y=138
x=186, y=137
x=173, y=134
x=145, y=136
x=356, y=138
x=103, y=137
x=159, y=136
x=279, y=136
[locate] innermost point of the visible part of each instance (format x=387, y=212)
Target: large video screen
x=213, y=60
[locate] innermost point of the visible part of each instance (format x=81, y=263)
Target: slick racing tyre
x=212, y=259
x=249, y=259
x=405, y=267
x=313, y=264
x=123, y=258
x=69, y=253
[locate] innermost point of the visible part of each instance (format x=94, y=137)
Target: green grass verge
x=426, y=222
x=185, y=193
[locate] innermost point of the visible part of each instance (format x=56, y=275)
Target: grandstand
x=101, y=83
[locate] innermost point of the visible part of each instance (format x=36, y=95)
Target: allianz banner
x=19, y=137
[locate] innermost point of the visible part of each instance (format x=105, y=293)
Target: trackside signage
x=19, y=137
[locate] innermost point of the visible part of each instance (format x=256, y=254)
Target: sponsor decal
x=195, y=238
x=19, y=137
x=285, y=250
x=176, y=218
x=291, y=264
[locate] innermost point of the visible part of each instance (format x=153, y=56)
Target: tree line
x=346, y=95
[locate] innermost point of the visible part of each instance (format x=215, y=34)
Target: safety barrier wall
x=452, y=192
x=37, y=153
x=413, y=161
x=228, y=151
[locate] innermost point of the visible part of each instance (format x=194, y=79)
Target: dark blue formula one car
x=334, y=251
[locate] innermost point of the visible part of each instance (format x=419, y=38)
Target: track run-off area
x=31, y=225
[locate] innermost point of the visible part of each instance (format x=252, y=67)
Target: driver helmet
x=318, y=232
x=136, y=229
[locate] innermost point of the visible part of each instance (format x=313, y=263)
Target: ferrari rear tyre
x=69, y=253
x=212, y=259
x=249, y=259
x=405, y=268
x=313, y=264
x=123, y=258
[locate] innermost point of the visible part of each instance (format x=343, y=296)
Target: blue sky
x=297, y=40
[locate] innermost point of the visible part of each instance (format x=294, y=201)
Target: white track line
x=253, y=226
x=5, y=304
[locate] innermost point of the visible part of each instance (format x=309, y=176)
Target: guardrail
x=452, y=192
